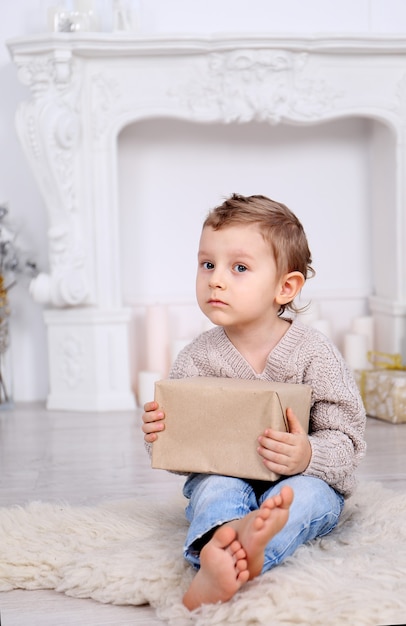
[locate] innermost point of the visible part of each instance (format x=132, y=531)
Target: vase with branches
x=14, y=262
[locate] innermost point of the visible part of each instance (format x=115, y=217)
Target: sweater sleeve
x=337, y=421
x=337, y=414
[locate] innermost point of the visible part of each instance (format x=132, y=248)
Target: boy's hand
x=153, y=421
x=286, y=453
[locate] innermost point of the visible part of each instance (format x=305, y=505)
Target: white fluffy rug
x=131, y=553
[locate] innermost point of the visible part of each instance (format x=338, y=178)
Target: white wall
x=171, y=170
x=180, y=182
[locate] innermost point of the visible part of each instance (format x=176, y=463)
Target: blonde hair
x=279, y=226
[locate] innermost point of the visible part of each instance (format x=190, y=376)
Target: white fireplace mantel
x=85, y=88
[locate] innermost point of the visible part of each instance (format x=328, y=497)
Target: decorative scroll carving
x=255, y=85
x=71, y=360
x=49, y=129
x=104, y=94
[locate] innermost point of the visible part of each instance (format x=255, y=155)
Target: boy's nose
x=216, y=280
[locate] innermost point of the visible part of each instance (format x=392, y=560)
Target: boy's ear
x=290, y=286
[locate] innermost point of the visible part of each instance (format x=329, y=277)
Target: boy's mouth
x=215, y=302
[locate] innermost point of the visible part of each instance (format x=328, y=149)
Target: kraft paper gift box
x=212, y=425
x=384, y=393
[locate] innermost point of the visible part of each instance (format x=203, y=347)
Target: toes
x=224, y=537
x=269, y=505
x=240, y=554
x=281, y=500
x=243, y=577
x=234, y=547
x=287, y=496
x=259, y=521
x=241, y=565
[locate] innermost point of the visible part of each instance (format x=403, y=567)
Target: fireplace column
x=388, y=219
x=87, y=326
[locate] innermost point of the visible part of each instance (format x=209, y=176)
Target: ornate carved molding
x=255, y=85
x=49, y=128
x=105, y=94
x=71, y=360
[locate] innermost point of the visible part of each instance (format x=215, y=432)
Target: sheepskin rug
x=131, y=553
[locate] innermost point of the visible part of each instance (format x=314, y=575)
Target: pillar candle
x=146, y=386
x=364, y=326
x=157, y=339
x=355, y=351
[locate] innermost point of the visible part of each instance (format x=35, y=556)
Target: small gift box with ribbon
x=383, y=388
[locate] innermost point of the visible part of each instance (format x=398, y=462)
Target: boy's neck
x=255, y=345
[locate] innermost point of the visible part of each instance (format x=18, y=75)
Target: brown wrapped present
x=384, y=393
x=212, y=425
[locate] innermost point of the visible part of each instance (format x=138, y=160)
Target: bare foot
x=257, y=528
x=235, y=553
x=223, y=570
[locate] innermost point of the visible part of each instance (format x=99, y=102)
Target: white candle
x=146, y=386
x=355, y=351
x=323, y=326
x=364, y=325
x=157, y=339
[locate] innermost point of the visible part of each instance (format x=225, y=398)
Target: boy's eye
x=207, y=265
x=240, y=268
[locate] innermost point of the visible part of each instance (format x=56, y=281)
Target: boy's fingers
x=153, y=427
x=150, y=406
x=294, y=424
x=152, y=416
x=150, y=438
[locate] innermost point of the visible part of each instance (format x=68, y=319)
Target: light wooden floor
x=85, y=458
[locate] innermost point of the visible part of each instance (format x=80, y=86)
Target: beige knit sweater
x=303, y=355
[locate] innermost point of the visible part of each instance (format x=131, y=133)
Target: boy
x=253, y=261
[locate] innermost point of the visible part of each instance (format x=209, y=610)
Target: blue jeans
x=214, y=500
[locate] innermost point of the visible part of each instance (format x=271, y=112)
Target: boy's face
x=237, y=281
